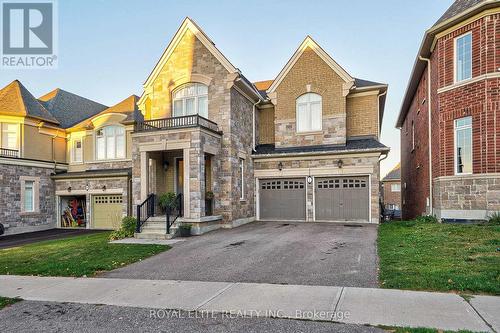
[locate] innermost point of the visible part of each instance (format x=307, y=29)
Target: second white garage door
x=342, y=199
x=107, y=211
x=282, y=199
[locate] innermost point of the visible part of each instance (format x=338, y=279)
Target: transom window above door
x=190, y=99
x=309, y=113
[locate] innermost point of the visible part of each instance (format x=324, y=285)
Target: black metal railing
x=144, y=211
x=4, y=152
x=175, y=122
x=172, y=214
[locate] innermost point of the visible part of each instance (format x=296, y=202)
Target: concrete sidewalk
x=341, y=304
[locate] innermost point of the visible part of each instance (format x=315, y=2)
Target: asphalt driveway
x=269, y=252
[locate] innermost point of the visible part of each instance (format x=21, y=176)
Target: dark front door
x=179, y=181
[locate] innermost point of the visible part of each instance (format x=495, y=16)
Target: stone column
x=186, y=155
x=197, y=183
x=144, y=175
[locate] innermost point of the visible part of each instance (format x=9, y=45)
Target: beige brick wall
x=311, y=70
x=266, y=126
x=362, y=115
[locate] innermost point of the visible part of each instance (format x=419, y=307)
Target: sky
x=108, y=48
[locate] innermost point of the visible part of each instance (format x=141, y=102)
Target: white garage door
x=107, y=211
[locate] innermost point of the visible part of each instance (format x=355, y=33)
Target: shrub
x=167, y=200
x=494, y=218
x=126, y=230
x=185, y=226
x=426, y=219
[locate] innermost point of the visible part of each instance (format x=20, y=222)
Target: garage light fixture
x=309, y=179
x=340, y=164
x=280, y=166
x=104, y=187
x=87, y=187
x=69, y=189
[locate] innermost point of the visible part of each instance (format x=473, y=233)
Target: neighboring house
x=452, y=101
x=302, y=147
x=391, y=189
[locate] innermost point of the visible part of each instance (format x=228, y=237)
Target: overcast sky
x=107, y=48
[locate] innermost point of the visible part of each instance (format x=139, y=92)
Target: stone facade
x=10, y=199
x=472, y=197
x=310, y=74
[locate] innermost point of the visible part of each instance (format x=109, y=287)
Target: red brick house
x=391, y=189
x=453, y=102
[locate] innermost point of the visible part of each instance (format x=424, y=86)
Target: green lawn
x=439, y=257
x=74, y=256
x=419, y=330
x=4, y=301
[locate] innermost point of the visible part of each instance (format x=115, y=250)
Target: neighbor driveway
x=269, y=252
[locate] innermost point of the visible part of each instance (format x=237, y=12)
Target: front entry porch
x=180, y=164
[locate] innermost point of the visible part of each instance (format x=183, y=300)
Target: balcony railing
x=4, y=152
x=176, y=122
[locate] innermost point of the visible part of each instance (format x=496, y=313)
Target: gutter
x=335, y=152
x=429, y=128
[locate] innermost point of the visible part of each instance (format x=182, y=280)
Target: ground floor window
x=29, y=196
x=463, y=145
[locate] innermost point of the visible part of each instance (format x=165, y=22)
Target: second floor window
x=110, y=143
x=463, y=57
x=463, y=145
x=308, y=111
x=77, y=151
x=190, y=99
x=395, y=187
x=9, y=137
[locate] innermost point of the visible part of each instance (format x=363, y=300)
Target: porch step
x=153, y=235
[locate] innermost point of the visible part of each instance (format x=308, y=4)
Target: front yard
x=440, y=257
x=74, y=256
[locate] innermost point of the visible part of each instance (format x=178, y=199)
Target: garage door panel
x=282, y=199
x=107, y=211
x=342, y=198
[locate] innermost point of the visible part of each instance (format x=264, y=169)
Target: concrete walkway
x=341, y=304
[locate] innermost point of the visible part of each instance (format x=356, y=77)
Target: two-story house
x=450, y=119
x=302, y=147
x=391, y=190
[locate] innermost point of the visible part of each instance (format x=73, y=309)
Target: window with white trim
x=308, y=113
x=463, y=145
x=395, y=187
x=190, y=99
x=110, y=143
x=242, y=179
x=10, y=136
x=77, y=151
x=29, y=196
x=463, y=57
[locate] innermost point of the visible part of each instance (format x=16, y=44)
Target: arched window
x=191, y=98
x=308, y=110
x=110, y=143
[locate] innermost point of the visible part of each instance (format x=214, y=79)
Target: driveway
x=269, y=252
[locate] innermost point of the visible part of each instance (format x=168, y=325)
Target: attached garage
x=282, y=199
x=342, y=199
x=107, y=211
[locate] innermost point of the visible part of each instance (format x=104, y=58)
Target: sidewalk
x=347, y=305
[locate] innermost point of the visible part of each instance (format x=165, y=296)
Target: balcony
x=175, y=123
x=4, y=152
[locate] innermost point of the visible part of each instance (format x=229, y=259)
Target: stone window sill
x=29, y=213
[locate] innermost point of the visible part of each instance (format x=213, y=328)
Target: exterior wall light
x=104, y=187
x=309, y=179
x=87, y=187
x=69, y=189
x=280, y=166
x=340, y=164
x=165, y=165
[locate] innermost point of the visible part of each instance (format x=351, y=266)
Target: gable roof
x=68, y=108
x=189, y=24
x=308, y=42
x=394, y=174
x=16, y=100
x=459, y=11
x=127, y=107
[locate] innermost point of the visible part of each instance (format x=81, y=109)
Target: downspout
x=429, y=125
x=378, y=106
